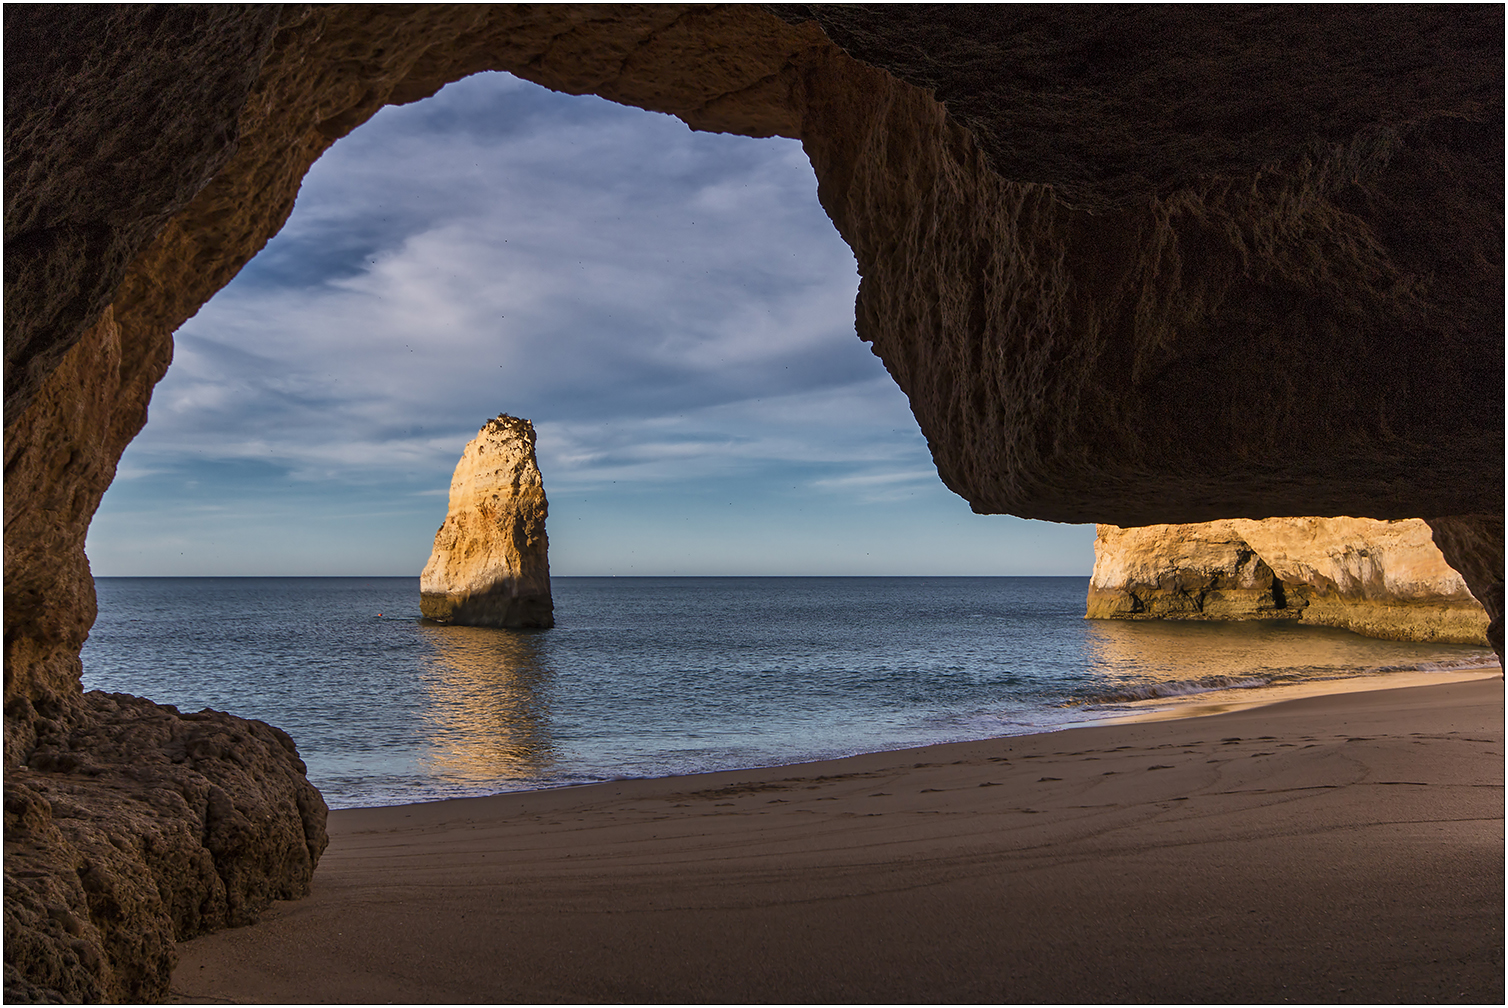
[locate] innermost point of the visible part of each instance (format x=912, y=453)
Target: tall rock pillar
x=490, y=565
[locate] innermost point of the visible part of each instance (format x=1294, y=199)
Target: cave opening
x=672, y=308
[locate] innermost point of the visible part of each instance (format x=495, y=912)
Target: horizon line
x=99, y=577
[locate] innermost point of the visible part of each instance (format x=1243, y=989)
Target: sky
x=673, y=310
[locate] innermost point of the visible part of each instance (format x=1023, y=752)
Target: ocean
x=646, y=677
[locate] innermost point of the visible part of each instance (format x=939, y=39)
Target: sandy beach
x=1341, y=847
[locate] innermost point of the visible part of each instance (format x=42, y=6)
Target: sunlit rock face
x=490, y=565
x=1135, y=265
x=1204, y=571
x=1378, y=578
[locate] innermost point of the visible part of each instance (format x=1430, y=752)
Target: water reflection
x=487, y=718
x=1278, y=651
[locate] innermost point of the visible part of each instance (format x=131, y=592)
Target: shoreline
x=1155, y=709
x=1268, y=853
x=1248, y=698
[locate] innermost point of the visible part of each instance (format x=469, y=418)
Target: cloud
x=698, y=276
x=651, y=276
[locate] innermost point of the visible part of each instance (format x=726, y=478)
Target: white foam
x=1183, y=687
x=1444, y=665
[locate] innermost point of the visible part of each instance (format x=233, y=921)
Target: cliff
x=1378, y=578
x=490, y=565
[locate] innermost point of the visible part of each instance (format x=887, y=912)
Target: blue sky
x=672, y=309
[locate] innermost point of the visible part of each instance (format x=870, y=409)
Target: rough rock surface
x=130, y=826
x=490, y=565
x=1203, y=571
x=1117, y=283
x=1379, y=578
x=90, y=178
x=59, y=458
x=1110, y=324
x=1473, y=546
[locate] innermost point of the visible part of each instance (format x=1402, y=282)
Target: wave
x=1162, y=690
x=1271, y=677
x=1444, y=665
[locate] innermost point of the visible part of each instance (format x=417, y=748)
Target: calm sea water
x=653, y=676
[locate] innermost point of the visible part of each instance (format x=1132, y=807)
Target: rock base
x=510, y=612
x=129, y=827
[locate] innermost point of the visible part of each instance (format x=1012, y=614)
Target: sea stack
x=1383, y=579
x=490, y=565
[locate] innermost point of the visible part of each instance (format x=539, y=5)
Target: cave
x=1130, y=265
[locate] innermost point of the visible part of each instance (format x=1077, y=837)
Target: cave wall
x=115, y=118
x=1130, y=265
x=1282, y=325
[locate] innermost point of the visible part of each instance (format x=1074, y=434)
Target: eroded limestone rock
x=130, y=826
x=490, y=565
x=1163, y=571
x=1124, y=324
x=91, y=178
x=1473, y=546
x=1378, y=578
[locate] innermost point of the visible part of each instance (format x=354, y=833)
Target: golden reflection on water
x=1179, y=650
x=486, y=718
x=1163, y=649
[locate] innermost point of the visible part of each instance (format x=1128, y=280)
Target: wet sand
x=1334, y=848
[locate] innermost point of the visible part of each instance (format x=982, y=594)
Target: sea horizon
x=99, y=577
